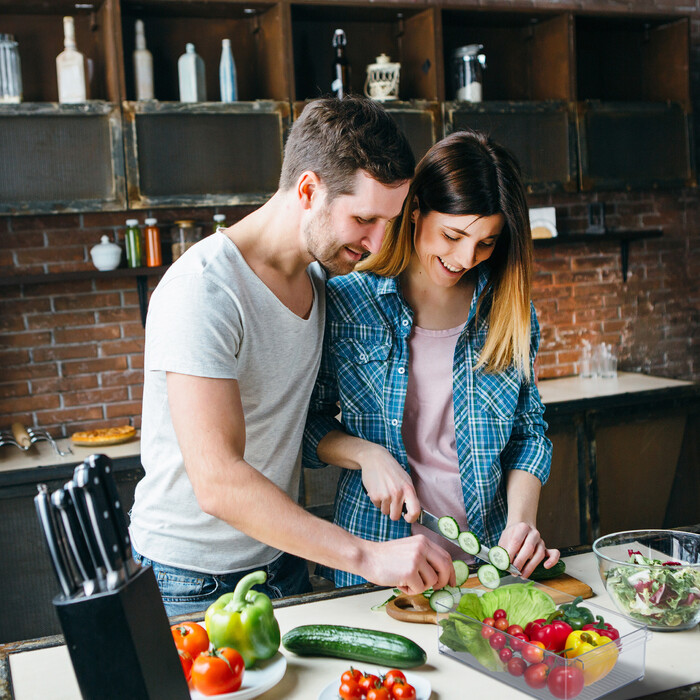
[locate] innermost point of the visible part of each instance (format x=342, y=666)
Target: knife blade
x=65, y=508
x=47, y=520
x=102, y=465
x=430, y=521
x=100, y=516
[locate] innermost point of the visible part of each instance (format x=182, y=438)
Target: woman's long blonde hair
x=468, y=173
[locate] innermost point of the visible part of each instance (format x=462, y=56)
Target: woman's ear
x=415, y=210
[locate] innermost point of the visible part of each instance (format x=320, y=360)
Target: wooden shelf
x=52, y=277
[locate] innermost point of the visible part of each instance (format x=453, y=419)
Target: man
x=233, y=344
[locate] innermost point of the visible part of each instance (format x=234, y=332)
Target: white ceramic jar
x=106, y=255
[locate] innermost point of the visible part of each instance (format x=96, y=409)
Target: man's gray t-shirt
x=212, y=316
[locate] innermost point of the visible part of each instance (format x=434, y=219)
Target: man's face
x=341, y=233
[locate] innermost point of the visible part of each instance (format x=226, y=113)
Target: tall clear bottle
x=143, y=65
x=340, y=84
x=227, y=73
x=132, y=242
x=190, y=69
x=70, y=68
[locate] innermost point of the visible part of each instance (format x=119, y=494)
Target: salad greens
x=522, y=601
x=660, y=595
x=462, y=635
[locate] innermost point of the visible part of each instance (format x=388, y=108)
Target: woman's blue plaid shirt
x=499, y=421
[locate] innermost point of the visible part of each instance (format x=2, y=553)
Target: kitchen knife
x=102, y=465
x=431, y=522
x=47, y=520
x=89, y=482
x=65, y=508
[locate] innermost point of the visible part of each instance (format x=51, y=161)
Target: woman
x=429, y=351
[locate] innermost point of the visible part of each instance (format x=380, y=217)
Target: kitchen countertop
x=671, y=658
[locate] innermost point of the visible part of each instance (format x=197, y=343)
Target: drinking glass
x=10, y=71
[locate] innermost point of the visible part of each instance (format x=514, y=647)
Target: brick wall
x=71, y=352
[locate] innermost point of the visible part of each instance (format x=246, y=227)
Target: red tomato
x=393, y=676
x=368, y=681
x=497, y=641
x=350, y=690
x=352, y=674
x=516, y=666
x=489, y=621
x=536, y=675
x=403, y=691
x=498, y=614
x=501, y=624
x=190, y=637
x=518, y=641
x=186, y=661
x=379, y=694
x=219, y=671
x=533, y=652
x=515, y=629
x=487, y=631
x=505, y=655
x=565, y=681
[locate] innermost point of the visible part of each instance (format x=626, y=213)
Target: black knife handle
x=45, y=513
x=78, y=499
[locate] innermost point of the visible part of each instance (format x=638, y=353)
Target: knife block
x=120, y=643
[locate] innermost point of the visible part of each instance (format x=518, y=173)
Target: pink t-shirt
x=429, y=430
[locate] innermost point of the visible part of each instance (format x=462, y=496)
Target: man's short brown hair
x=335, y=138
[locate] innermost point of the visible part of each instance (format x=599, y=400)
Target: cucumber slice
x=461, y=571
x=469, y=542
x=488, y=576
x=448, y=527
x=442, y=601
x=499, y=558
x=456, y=593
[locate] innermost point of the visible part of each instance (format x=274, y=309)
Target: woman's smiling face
x=449, y=245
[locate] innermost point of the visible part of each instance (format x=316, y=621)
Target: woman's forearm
x=523, y=495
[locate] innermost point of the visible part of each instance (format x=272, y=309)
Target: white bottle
x=143, y=65
x=227, y=73
x=70, y=68
x=190, y=68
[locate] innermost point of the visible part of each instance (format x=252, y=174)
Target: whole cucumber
x=542, y=574
x=356, y=643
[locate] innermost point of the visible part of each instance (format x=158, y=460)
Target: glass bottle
x=143, y=65
x=132, y=241
x=219, y=221
x=154, y=255
x=10, y=70
x=70, y=68
x=190, y=69
x=185, y=234
x=227, y=73
x=341, y=70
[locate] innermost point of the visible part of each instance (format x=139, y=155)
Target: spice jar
x=10, y=71
x=468, y=63
x=219, y=221
x=184, y=235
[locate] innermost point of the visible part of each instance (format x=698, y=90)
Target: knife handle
x=21, y=436
x=45, y=513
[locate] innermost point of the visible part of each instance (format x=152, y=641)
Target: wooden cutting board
x=415, y=608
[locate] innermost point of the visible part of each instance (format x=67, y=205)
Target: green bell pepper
x=576, y=616
x=245, y=620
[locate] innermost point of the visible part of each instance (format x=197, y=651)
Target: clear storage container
x=630, y=647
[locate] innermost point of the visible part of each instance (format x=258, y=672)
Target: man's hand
x=411, y=564
x=526, y=548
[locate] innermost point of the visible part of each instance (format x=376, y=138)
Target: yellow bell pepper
x=597, y=654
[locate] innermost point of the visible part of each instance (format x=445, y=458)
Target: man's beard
x=322, y=244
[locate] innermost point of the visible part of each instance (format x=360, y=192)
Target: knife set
x=110, y=609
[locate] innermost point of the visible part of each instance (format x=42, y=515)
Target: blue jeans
x=184, y=591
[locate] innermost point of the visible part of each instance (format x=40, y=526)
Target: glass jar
x=183, y=236
x=10, y=70
x=468, y=63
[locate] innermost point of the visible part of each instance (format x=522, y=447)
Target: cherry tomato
x=516, y=666
x=497, y=641
x=489, y=621
x=352, y=674
x=368, y=681
x=500, y=613
x=350, y=690
x=190, y=637
x=536, y=675
x=518, y=641
x=505, y=655
x=219, y=671
x=565, y=681
x=515, y=629
x=403, y=691
x=487, y=631
x=501, y=624
x=186, y=661
x=379, y=694
x=533, y=652
x=393, y=676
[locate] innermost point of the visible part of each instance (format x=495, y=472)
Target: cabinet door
x=204, y=154
x=541, y=135
x=63, y=158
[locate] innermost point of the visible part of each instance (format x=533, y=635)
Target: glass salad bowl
x=652, y=576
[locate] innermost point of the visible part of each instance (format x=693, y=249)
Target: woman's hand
x=387, y=484
x=526, y=547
